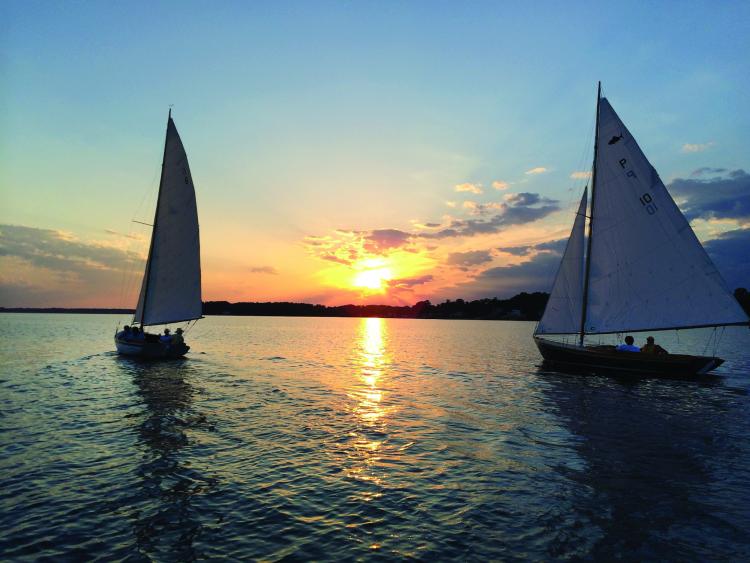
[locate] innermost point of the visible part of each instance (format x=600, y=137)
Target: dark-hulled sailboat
x=643, y=268
x=171, y=287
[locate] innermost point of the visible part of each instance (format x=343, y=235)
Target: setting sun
x=373, y=278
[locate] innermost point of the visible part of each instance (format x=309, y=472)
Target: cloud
x=585, y=175
x=481, y=208
x=707, y=170
x=334, y=258
x=467, y=259
x=385, y=239
x=45, y=267
x=553, y=246
x=720, y=197
x=697, y=147
x=348, y=247
x=526, y=199
x=730, y=254
x=536, y=274
x=517, y=250
x=467, y=187
x=263, y=270
x=60, y=251
x=500, y=185
x=407, y=283
x=116, y=233
x=537, y=170
x=517, y=209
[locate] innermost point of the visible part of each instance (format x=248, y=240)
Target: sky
x=354, y=152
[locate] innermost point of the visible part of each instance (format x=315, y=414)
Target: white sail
x=648, y=270
x=171, y=288
x=563, y=312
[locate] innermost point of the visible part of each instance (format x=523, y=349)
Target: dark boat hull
x=150, y=350
x=605, y=359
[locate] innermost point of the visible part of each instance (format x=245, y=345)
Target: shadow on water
x=657, y=459
x=166, y=522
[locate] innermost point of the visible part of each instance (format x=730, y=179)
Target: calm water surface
x=339, y=439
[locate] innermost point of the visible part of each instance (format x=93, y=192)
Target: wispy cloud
x=467, y=187
x=518, y=209
x=500, y=185
x=554, y=246
x=697, y=147
x=481, y=208
x=706, y=170
x=57, y=268
x=405, y=283
x=537, y=170
x=119, y=234
x=263, y=270
x=584, y=175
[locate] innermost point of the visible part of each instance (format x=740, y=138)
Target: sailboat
x=171, y=286
x=640, y=269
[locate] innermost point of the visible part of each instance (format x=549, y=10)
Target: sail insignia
x=648, y=268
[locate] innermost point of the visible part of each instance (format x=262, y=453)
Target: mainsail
x=647, y=269
x=563, y=312
x=171, y=288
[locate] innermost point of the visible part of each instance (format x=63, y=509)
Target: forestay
x=648, y=270
x=563, y=312
x=171, y=288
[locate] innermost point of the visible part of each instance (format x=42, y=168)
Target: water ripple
x=342, y=439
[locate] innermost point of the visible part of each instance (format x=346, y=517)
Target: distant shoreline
x=524, y=306
x=521, y=307
x=74, y=310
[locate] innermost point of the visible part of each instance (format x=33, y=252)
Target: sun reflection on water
x=373, y=363
x=369, y=394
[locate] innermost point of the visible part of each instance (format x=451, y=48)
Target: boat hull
x=150, y=350
x=605, y=359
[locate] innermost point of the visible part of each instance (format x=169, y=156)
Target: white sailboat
x=643, y=269
x=171, y=287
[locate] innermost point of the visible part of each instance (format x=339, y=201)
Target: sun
x=372, y=278
x=372, y=274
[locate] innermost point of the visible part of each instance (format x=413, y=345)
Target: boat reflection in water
x=166, y=523
x=646, y=475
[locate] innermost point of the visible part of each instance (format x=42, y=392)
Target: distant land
x=524, y=306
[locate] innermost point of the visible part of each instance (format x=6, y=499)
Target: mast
x=147, y=273
x=587, y=273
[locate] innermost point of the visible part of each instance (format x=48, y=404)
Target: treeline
x=524, y=306
x=75, y=310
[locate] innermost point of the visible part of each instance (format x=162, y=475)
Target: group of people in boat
x=136, y=334
x=650, y=347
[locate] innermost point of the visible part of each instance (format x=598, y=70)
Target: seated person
x=137, y=334
x=165, y=338
x=177, y=338
x=628, y=346
x=652, y=348
x=125, y=333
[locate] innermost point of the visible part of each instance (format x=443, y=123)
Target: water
x=341, y=439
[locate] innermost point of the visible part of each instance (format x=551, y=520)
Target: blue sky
x=301, y=118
